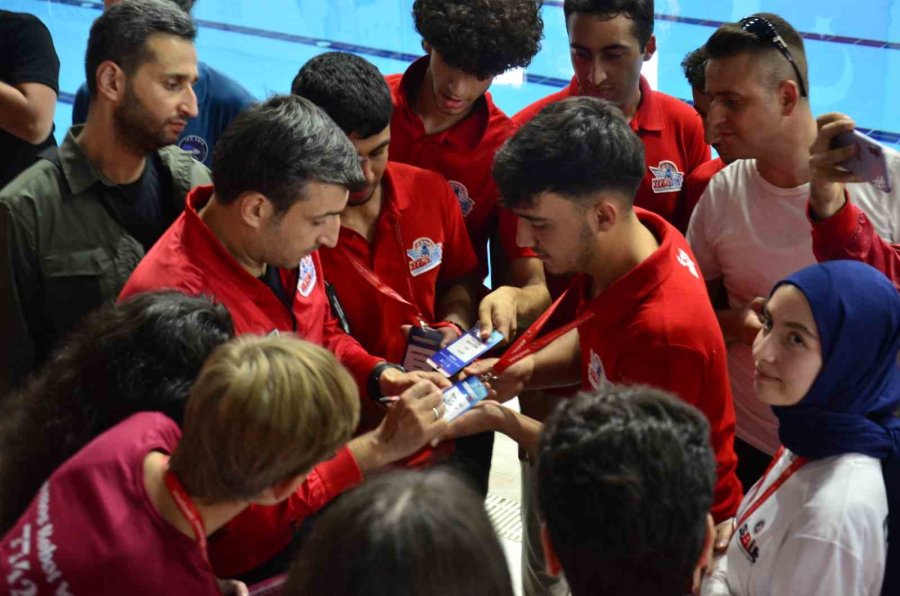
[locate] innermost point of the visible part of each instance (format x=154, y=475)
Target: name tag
x=421, y=344
x=463, y=351
x=462, y=396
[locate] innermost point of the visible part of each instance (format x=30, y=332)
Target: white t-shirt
x=751, y=234
x=822, y=533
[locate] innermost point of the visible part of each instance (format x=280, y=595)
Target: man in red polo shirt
x=404, y=230
x=445, y=120
x=279, y=189
x=610, y=40
x=571, y=175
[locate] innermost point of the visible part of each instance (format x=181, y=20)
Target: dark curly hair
x=482, y=37
x=694, y=67
x=140, y=355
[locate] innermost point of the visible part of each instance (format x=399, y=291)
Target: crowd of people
x=217, y=315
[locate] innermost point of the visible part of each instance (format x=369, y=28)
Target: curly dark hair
x=140, y=355
x=482, y=37
x=694, y=65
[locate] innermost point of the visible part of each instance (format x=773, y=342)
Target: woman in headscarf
x=827, y=362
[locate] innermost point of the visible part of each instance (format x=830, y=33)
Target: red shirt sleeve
x=848, y=234
x=686, y=373
x=261, y=532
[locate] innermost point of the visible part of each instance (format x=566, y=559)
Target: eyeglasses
x=766, y=32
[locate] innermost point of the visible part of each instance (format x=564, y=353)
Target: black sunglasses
x=766, y=32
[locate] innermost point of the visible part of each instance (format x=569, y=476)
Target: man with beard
x=76, y=223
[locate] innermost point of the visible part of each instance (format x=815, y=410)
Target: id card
x=466, y=348
x=421, y=344
x=462, y=396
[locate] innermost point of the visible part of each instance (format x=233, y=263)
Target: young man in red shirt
x=280, y=186
x=403, y=230
x=445, y=120
x=131, y=512
x=571, y=175
x=610, y=40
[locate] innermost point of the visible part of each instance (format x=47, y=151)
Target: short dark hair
x=120, y=34
x=350, y=89
x=731, y=40
x=482, y=37
x=142, y=354
x=639, y=11
x=694, y=66
x=576, y=147
x=403, y=533
x=625, y=483
x=278, y=147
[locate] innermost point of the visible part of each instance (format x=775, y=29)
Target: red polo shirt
x=463, y=154
x=191, y=259
x=655, y=326
x=695, y=183
x=420, y=242
x=674, y=146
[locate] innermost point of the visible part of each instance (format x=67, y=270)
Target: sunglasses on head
x=766, y=32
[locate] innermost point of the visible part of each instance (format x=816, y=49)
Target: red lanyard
x=795, y=465
x=379, y=284
x=527, y=345
x=188, y=510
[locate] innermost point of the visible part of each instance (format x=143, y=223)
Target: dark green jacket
x=63, y=253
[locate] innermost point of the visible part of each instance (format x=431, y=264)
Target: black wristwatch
x=374, y=386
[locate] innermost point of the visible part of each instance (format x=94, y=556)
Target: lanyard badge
x=463, y=351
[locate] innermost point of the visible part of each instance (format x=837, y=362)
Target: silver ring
x=437, y=413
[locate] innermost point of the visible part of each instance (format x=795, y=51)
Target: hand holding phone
x=868, y=162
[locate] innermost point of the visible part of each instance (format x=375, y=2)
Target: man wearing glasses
x=750, y=227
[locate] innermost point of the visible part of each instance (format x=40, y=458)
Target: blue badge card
x=462, y=396
x=466, y=348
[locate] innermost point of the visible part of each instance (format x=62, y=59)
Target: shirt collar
x=79, y=172
x=395, y=197
x=467, y=133
x=648, y=115
x=621, y=298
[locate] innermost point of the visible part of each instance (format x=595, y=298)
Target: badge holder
x=463, y=351
x=421, y=345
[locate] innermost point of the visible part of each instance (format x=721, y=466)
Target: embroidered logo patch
x=596, y=374
x=760, y=525
x=196, y=146
x=425, y=255
x=306, y=277
x=748, y=544
x=685, y=261
x=666, y=177
x=462, y=195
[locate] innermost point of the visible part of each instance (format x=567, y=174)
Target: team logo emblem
x=196, y=146
x=748, y=544
x=685, y=261
x=424, y=255
x=462, y=195
x=306, y=278
x=666, y=177
x=759, y=527
x=596, y=375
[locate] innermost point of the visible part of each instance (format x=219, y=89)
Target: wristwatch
x=374, y=385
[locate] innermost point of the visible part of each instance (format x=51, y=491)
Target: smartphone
x=869, y=163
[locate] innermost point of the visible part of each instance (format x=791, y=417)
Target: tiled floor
x=504, y=499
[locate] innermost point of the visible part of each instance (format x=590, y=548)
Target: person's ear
x=255, y=209
x=111, y=81
x=427, y=47
x=554, y=567
x=789, y=92
x=604, y=215
x=650, y=48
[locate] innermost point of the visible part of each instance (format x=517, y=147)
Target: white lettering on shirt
x=19, y=583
